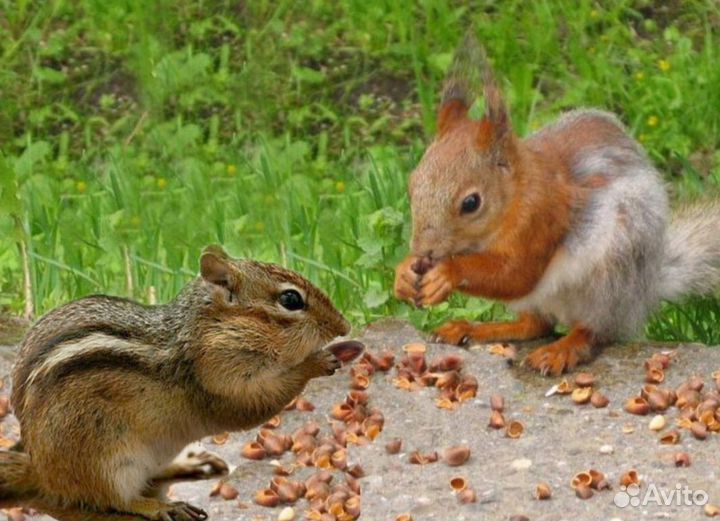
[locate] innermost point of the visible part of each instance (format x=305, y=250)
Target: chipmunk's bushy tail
x=691, y=265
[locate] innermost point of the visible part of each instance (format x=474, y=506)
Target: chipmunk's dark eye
x=292, y=300
x=470, y=204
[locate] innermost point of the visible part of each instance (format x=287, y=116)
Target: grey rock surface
x=560, y=439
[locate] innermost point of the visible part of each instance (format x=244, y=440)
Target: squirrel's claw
x=455, y=332
x=562, y=355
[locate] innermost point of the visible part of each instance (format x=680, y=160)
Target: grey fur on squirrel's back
x=691, y=265
x=624, y=252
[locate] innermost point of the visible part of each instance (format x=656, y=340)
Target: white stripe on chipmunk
x=94, y=342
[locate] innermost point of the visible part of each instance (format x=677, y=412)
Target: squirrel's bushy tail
x=691, y=264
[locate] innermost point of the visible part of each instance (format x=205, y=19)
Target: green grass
x=134, y=135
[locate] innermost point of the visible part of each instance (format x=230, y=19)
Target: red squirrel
x=569, y=225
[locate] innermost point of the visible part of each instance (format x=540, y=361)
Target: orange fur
x=529, y=234
x=449, y=114
x=527, y=326
x=566, y=353
x=484, y=135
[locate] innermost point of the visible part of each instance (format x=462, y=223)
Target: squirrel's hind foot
x=562, y=355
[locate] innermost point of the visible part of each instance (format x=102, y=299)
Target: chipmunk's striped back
x=88, y=333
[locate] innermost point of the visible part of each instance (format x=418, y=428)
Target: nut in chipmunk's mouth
x=346, y=350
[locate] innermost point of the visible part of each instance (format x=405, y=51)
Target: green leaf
x=48, y=75
x=440, y=62
x=376, y=295
x=307, y=75
x=34, y=153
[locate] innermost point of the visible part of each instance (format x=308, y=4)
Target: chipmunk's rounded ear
x=215, y=266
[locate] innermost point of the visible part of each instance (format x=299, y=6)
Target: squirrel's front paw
x=455, y=332
x=407, y=280
x=436, y=285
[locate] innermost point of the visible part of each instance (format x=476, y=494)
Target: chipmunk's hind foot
x=156, y=510
x=179, y=511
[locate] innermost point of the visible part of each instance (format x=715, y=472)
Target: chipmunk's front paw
x=203, y=465
x=323, y=363
x=455, y=332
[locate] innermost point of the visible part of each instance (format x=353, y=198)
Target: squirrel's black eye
x=292, y=300
x=470, y=204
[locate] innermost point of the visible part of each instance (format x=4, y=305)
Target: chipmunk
x=108, y=391
x=570, y=225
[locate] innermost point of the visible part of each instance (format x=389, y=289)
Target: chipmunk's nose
x=339, y=326
x=345, y=327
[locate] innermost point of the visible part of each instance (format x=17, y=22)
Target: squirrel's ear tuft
x=462, y=83
x=215, y=266
x=496, y=113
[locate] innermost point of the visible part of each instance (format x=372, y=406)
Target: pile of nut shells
x=582, y=392
x=698, y=406
x=585, y=482
x=352, y=422
x=445, y=372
